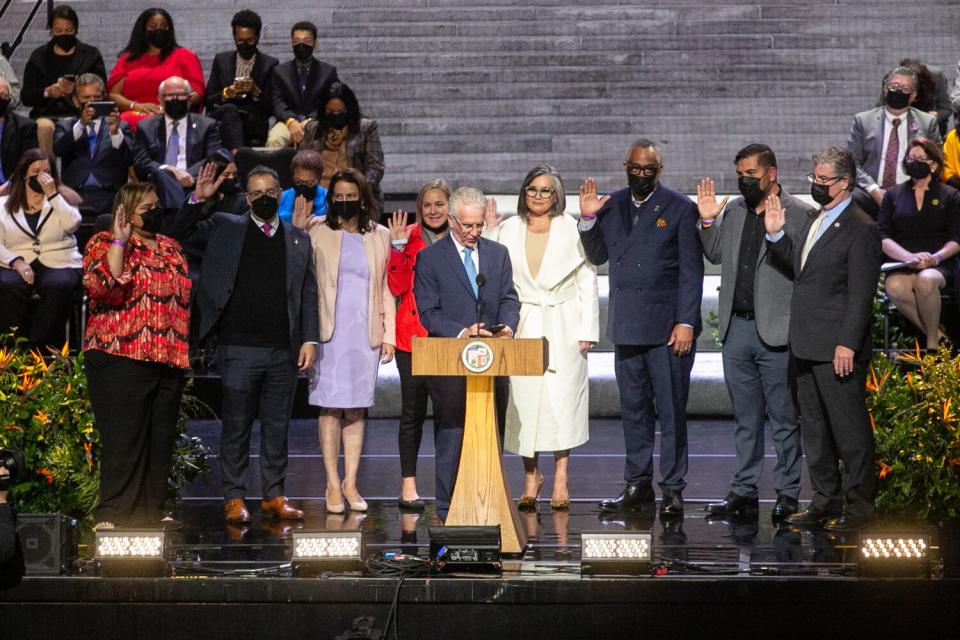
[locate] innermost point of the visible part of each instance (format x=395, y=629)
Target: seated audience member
x=307, y=167
x=932, y=95
x=170, y=147
x=51, y=71
x=151, y=56
x=919, y=223
x=7, y=73
x=346, y=139
x=297, y=86
x=95, y=152
x=951, y=157
x=878, y=153
x=17, y=134
x=38, y=252
x=238, y=89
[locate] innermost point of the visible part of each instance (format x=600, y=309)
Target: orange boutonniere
x=661, y=223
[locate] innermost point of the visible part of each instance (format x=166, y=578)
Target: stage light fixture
x=620, y=553
x=894, y=554
x=469, y=549
x=317, y=552
x=130, y=552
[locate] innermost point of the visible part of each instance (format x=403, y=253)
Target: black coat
x=150, y=143
x=108, y=165
x=38, y=75
x=19, y=134
x=285, y=89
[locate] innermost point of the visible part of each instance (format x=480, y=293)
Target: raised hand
x=207, y=182
x=397, y=223
x=707, y=203
x=302, y=212
x=590, y=203
x=490, y=216
x=121, y=230
x=774, y=216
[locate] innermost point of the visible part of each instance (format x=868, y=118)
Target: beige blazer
x=326, y=259
x=54, y=243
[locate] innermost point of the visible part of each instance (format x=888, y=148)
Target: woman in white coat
x=557, y=287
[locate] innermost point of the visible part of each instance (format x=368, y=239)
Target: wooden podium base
x=481, y=495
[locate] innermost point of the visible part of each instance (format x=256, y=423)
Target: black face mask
x=246, y=50
x=265, y=207
x=750, y=190
x=641, y=186
x=65, y=41
x=336, y=121
x=34, y=183
x=917, y=169
x=4, y=103
x=159, y=38
x=897, y=99
x=347, y=210
x=302, y=52
x=152, y=220
x=307, y=191
x=229, y=187
x=821, y=194
x=176, y=109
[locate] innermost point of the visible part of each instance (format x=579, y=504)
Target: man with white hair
x=455, y=276
x=170, y=147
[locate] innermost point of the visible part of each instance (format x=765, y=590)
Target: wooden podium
x=481, y=495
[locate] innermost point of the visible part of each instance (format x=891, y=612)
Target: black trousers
x=240, y=127
x=413, y=413
x=835, y=427
x=136, y=406
x=39, y=310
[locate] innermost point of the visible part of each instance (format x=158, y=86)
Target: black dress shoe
x=810, y=517
x=784, y=507
x=411, y=505
x=848, y=522
x=634, y=497
x=671, y=504
x=733, y=504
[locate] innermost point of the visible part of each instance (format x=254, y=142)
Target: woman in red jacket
x=407, y=241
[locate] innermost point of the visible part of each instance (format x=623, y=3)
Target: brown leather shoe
x=236, y=511
x=279, y=508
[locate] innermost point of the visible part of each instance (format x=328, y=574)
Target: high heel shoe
x=359, y=505
x=335, y=509
x=529, y=503
x=560, y=505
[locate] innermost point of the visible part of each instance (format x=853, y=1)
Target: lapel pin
x=656, y=208
x=935, y=202
x=661, y=223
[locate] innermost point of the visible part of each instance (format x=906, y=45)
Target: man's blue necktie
x=173, y=147
x=471, y=270
x=91, y=140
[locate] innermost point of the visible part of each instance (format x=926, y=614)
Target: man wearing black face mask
x=265, y=335
x=170, y=147
x=297, y=86
x=835, y=263
x=238, y=79
x=879, y=137
x=648, y=233
x=17, y=134
x=754, y=320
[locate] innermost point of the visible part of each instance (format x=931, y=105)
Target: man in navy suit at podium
x=648, y=233
x=453, y=277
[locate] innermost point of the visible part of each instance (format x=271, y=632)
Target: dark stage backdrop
x=481, y=91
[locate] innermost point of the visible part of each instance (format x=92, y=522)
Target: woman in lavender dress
x=357, y=311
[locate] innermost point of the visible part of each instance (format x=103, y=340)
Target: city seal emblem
x=477, y=357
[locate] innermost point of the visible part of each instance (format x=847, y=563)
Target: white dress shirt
x=80, y=132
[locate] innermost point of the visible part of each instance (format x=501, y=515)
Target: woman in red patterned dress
x=135, y=354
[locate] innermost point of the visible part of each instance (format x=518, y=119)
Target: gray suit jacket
x=866, y=139
x=773, y=289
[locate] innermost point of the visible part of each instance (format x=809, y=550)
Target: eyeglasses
x=919, y=158
x=545, y=192
x=254, y=195
x=649, y=170
x=900, y=87
x=305, y=185
x=822, y=179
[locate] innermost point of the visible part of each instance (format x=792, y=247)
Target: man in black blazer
x=95, y=153
x=296, y=87
x=170, y=147
x=17, y=134
x=448, y=292
x=835, y=262
x=238, y=91
x=258, y=293
x=648, y=233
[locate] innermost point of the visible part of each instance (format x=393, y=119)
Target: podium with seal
x=481, y=495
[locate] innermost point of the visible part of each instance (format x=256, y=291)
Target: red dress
x=400, y=280
x=143, y=76
x=144, y=313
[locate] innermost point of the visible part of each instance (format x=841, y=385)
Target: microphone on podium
x=480, y=280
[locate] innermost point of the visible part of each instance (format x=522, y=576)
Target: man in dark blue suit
x=648, y=233
x=95, y=152
x=447, y=290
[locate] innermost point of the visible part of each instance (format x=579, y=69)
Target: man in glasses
x=648, y=233
x=835, y=263
x=264, y=335
x=879, y=138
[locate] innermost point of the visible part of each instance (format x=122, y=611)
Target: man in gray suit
x=879, y=138
x=754, y=321
x=258, y=292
